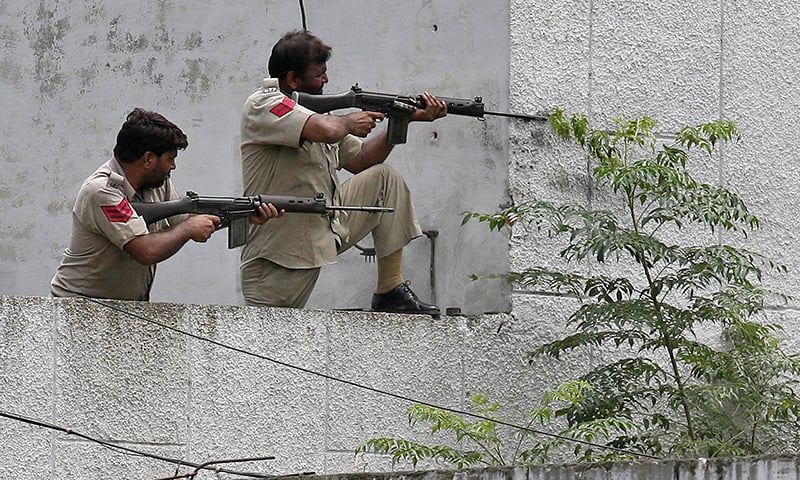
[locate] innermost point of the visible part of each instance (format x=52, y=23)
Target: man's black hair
x=145, y=131
x=296, y=51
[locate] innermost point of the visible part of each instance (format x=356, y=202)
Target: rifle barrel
x=536, y=118
x=361, y=209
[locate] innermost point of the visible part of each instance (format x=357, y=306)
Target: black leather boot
x=401, y=299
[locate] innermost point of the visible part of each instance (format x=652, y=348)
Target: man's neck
x=285, y=88
x=133, y=176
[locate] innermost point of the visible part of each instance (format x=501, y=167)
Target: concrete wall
x=71, y=71
x=682, y=63
x=209, y=382
x=238, y=382
x=767, y=468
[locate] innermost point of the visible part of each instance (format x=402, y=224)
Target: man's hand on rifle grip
x=200, y=227
x=361, y=123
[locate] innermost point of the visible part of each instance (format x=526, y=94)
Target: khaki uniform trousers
x=265, y=283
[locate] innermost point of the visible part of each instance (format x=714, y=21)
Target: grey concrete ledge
x=739, y=468
x=247, y=382
x=103, y=370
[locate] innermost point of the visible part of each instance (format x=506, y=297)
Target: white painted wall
x=682, y=63
x=71, y=71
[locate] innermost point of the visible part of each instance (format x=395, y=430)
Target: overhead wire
x=134, y=452
x=303, y=15
x=367, y=387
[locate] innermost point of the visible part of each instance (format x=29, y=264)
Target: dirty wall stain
x=149, y=59
x=197, y=77
x=45, y=34
x=127, y=42
x=11, y=71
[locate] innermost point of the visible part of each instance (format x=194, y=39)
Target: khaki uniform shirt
x=276, y=161
x=103, y=221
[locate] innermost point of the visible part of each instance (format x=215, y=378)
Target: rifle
x=397, y=107
x=234, y=211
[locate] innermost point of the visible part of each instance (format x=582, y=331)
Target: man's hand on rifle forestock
x=434, y=108
x=265, y=212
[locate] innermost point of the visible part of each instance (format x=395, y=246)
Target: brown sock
x=390, y=271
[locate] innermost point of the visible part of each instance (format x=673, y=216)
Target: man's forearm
x=156, y=247
x=326, y=128
x=374, y=150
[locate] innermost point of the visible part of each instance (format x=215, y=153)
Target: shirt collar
x=128, y=189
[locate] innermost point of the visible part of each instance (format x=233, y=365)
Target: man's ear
x=292, y=80
x=149, y=160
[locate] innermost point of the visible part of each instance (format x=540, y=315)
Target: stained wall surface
x=72, y=70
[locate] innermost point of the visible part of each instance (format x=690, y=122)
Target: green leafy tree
x=663, y=390
x=731, y=395
x=477, y=441
x=486, y=439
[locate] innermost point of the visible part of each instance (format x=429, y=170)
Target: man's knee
x=381, y=170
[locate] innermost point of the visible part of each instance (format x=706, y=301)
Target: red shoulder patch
x=281, y=109
x=118, y=213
